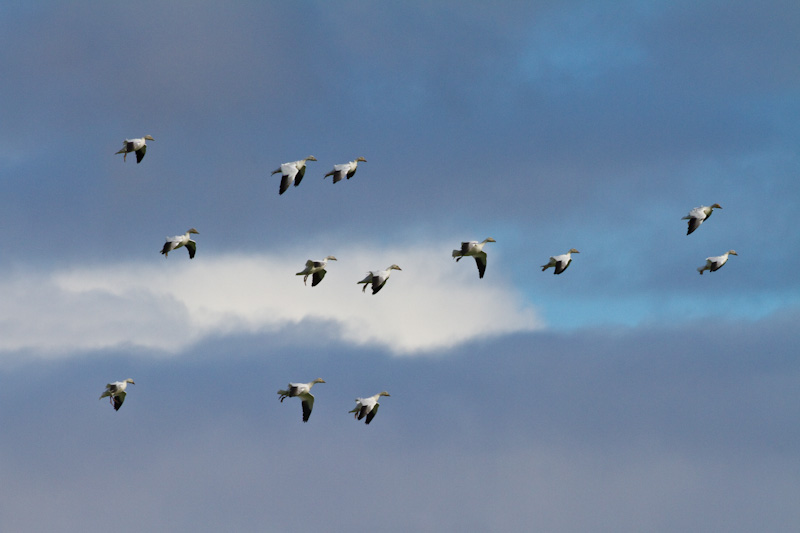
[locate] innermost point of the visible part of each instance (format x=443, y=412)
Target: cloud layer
x=168, y=306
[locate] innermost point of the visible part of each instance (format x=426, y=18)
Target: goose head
x=490, y=239
x=361, y=159
x=732, y=252
x=716, y=206
x=394, y=267
x=330, y=258
x=573, y=251
x=318, y=380
x=310, y=158
x=193, y=231
x=129, y=380
x=149, y=138
x=384, y=393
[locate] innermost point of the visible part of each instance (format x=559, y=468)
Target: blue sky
x=627, y=394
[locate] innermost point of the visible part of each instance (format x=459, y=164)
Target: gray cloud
x=668, y=428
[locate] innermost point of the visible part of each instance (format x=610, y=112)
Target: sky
x=626, y=394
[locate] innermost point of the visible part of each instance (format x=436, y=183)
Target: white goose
x=139, y=146
x=698, y=215
x=715, y=263
x=346, y=170
x=378, y=278
x=116, y=392
x=474, y=249
x=303, y=391
x=173, y=243
x=367, y=407
x=292, y=172
x=560, y=262
x=315, y=269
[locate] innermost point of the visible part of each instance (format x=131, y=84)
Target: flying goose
x=315, y=269
x=344, y=170
x=116, y=392
x=698, y=215
x=474, y=249
x=378, y=278
x=302, y=390
x=367, y=407
x=173, y=243
x=292, y=172
x=560, y=262
x=135, y=145
x=715, y=263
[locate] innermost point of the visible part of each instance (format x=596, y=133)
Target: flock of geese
x=292, y=174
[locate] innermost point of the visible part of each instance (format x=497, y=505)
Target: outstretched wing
x=288, y=174
x=118, y=399
x=308, y=405
x=192, y=247
x=377, y=283
x=480, y=260
x=694, y=223
x=300, y=173
x=562, y=265
x=372, y=413
x=140, y=154
x=317, y=277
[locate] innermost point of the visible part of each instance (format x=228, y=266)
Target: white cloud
x=170, y=304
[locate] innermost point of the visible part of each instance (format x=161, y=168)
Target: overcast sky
x=627, y=394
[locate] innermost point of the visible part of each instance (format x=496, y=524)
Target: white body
x=698, y=215
x=292, y=172
x=178, y=241
x=560, y=262
x=345, y=170
x=139, y=146
x=474, y=249
x=367, y=407
x=115, y=392
x=715, y=263
x=377, y=278
x=315, y=269
x=302, y=391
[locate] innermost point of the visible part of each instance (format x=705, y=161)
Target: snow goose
x=303, y=391
x=316, y=269
x=715, y=263
x=560, y=262
x=292, y=172
x=139, y=146
x=698, y=215
x=474, y=249
x=367, y=407
x=378, y=278
x=173, y=243
x=116, y=392
x=346, y=170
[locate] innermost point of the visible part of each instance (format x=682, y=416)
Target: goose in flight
x=116, y=392
x=474, y=249
x=173, y=243
x=378, y=278
x=138, y=146
x=303, y=391
x=292, y=172
x=346, y=170
x=715, y=263
x=560, y=262
x=316, y=269
x=367, y=407
x=698, y=215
